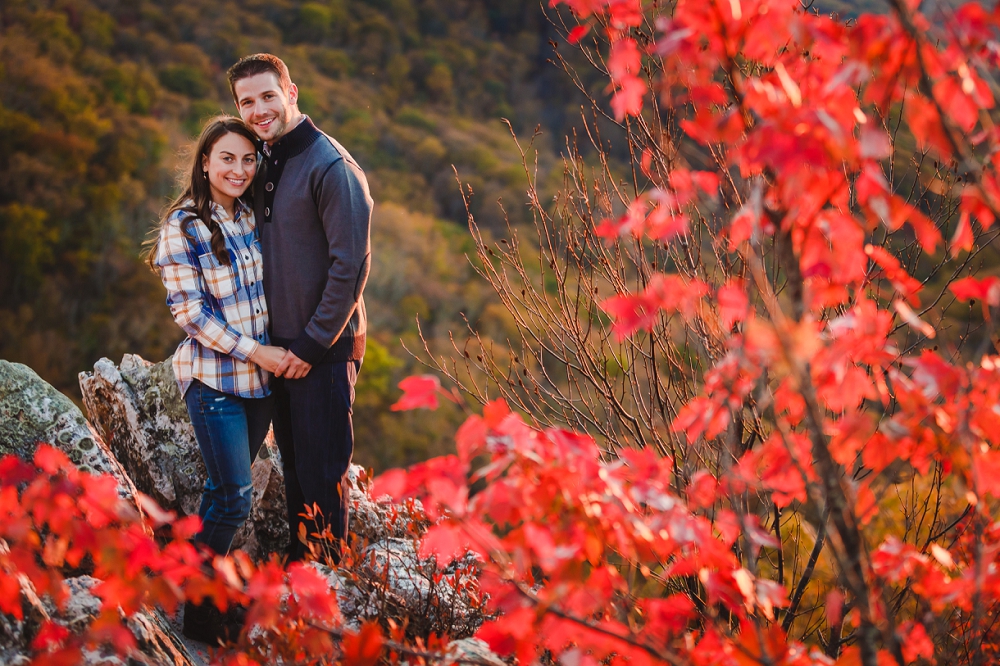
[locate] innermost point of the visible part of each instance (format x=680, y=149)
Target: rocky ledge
x=142, y=436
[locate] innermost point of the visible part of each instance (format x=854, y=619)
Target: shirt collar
x=295, y=141
x=240, y=208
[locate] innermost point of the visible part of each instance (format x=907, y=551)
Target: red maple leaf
x=418, y=391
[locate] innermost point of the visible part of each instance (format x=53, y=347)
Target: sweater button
x=267, y=212
x=269, y=187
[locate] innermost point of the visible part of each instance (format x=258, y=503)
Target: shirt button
x=258, y=310
x=269, y=187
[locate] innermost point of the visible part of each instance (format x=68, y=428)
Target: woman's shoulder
x=185, y=220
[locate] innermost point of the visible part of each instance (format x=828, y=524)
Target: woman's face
x=230, y=167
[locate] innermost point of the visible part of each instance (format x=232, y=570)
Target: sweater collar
x=298, y=139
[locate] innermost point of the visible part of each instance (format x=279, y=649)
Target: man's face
x=264, y=106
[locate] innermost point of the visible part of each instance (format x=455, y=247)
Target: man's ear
x=293, y=94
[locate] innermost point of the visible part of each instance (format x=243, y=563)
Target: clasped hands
x=280, y=361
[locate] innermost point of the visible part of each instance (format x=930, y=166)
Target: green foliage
x=184, y=79
x=97, y=101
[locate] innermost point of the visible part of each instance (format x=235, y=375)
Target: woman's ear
x=204, y=164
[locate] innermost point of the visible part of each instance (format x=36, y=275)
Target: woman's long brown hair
x=197, y=190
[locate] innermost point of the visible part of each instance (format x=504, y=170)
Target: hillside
x=99, y=98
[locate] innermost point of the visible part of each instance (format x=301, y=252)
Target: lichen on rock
x=33, y=412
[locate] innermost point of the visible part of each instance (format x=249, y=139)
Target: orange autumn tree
x=795, y=459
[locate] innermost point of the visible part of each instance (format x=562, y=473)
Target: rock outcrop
x=32, y=412
x=144, y=436
x=141, y=414
x=157, y=643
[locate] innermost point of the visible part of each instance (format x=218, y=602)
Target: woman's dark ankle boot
x=204, y=622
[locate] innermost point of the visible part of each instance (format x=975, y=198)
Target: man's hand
x=292, y=367
x=268, y=357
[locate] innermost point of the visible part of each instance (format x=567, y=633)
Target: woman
x=208, y=255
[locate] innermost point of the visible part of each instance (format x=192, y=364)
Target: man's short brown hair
x=259, y=63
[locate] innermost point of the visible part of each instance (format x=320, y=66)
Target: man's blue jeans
x=230, y=431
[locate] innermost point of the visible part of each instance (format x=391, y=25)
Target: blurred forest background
x=98, y=99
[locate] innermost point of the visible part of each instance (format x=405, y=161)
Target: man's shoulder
x=327, y=151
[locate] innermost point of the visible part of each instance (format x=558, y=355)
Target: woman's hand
x=268, y=357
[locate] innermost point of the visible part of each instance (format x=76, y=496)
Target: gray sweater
x=313, y=211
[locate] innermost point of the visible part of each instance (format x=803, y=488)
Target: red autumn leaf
x=700, y=416
x=153, y=512
x=973, y=204
x=663, y=224
x=14, y=471
x=986, y=289
x=732, y=303
x=49, y=636
x=962, y=239
x=624, y=60
x=702, y=490
x=470, y=440
x=959, y=107
x=363, y=648
x=770, y=595
x=392, y=482
x=494, y=412
x=625, y=13
x=986, y=466
x=577, y=33
x=668, y=616
x=116, y=592
x=915, y=642
x=186, y=527
x=445, y=542
x=52, y=460
x=418, y=391
x=312, y=593
x=925, y=123
x=628, y=97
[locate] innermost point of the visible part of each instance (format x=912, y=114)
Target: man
x=313, y=211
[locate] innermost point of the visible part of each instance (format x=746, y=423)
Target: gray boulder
x=32, y=412
x=138, y=408
x=157, y=642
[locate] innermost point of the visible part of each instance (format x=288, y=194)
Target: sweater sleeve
x=345, y=209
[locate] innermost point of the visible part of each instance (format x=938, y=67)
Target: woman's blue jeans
x=230, y=431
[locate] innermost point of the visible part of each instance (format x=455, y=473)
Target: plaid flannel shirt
x=221, y=308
